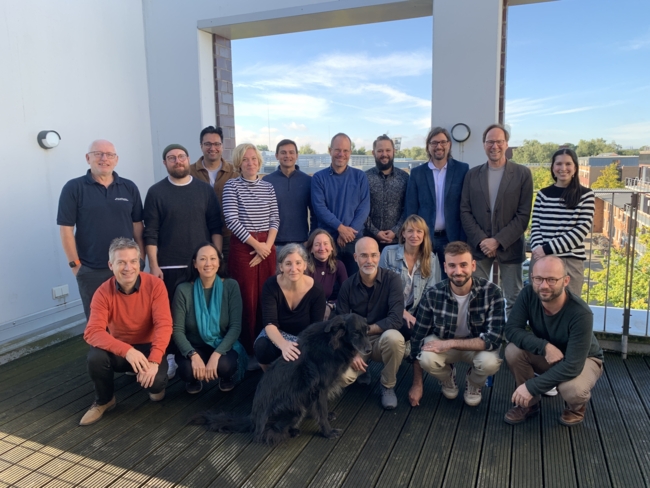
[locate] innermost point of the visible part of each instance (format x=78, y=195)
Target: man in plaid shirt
x=460, y=319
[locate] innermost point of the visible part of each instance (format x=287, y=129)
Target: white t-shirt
x=213, y=174
x=462, y=327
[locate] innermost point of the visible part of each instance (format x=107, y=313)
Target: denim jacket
x=392, y=258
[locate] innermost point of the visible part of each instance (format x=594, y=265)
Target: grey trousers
x=88, y=280
x=511, y=279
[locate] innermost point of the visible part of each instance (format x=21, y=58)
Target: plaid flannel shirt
x=438, y=314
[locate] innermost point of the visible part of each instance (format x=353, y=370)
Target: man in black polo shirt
x=93, y=210
x=376, y=294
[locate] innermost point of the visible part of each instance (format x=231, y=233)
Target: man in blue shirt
x=93, y=210
x=293, y=192
x=340, y=198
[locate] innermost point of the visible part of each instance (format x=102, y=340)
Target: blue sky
x=576, y=69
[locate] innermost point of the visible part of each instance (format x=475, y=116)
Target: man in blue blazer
x=434, y=191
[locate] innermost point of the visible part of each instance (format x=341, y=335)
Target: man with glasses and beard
x=460, y=319
x=551, y=333
x=434, y=191
x=387, y=194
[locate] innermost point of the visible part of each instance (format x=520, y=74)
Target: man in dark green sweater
x=560, y=345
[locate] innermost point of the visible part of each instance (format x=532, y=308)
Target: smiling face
x=126, y=267
x=207, y=262
x=287, y=155
x=439, y=147
x=413, y=236
x=322, y=247
x=459, y=268
x=340, y=153
x=102, y=158
x=384, y=154
x=367, y=256
x=495, y=145
x=293, y=267
x=211, y=146
x=250, y=165
x=564, y=169
x=549, y=268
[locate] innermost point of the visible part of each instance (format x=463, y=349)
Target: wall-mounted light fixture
x=460, y=132
x=48, y=139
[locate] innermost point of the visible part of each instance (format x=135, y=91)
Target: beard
x=179, y=172
x=552, y=295
x=383, y=167
x=460, y=281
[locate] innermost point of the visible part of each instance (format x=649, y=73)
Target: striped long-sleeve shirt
x=250, y=206
x=560, y=230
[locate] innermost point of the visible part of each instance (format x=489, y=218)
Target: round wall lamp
x=48, y=139
x=460, y=132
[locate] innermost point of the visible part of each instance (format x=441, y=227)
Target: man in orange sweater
x=129, y=329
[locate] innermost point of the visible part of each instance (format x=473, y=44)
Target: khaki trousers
x=575, y=392
x=388, y=348
x=484, y=363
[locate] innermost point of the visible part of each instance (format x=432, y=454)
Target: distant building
x=310, y=163
x=590, y=167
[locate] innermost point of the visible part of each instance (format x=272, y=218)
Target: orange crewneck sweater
x=117, y=320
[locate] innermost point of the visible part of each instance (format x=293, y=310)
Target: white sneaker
x=171, y=366
x=448, y=386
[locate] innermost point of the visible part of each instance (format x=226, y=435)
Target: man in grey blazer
x=433, y=193
x=495, y=210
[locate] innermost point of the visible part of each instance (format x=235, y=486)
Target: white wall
x=77, y=67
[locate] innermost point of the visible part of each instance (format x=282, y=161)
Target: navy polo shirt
x=99, y=214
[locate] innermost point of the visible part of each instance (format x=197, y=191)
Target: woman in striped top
x=562, y=218
x=251, y=212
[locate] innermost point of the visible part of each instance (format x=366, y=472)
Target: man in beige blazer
x=495, y=208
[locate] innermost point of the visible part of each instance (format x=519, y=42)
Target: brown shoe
x=573, y=416
x=95, y=412
x=517, y=414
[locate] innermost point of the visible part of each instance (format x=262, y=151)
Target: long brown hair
x=331, y=261
x=426, y=248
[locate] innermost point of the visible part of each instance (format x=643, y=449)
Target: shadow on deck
x=441, y=443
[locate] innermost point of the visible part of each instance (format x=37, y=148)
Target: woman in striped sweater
x=562, y=218
x=251, y=211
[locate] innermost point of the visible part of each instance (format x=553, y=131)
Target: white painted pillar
x=466, y=70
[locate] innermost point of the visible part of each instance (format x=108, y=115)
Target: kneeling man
x=460, y=319
x=129, y=329
x=560, y=345
x=376, y=294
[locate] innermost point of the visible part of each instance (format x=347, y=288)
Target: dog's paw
x=331, y=416
x=293, y=432
x=332, y=434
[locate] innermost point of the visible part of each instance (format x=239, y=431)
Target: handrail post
x=629, y=273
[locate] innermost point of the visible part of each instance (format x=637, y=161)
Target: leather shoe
x=573, y=416
x=517, y=414
x=95, y=412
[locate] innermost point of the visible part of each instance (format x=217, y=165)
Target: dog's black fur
x=289, y=390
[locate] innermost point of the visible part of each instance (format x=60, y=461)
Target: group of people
x=240, y=265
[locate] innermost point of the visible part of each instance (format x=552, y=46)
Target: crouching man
x=560, y=345
x=377, y=295
x=129, y=329
x=460, y=319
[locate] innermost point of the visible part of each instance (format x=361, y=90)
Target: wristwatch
x=191, y=353
x=74, y=264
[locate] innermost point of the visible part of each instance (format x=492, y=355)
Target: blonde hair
x=238, y=156
x=426, y=248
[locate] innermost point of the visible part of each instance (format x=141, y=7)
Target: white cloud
x=635, y=134
x=642, y=42
x=298, y=127
x=282, y=105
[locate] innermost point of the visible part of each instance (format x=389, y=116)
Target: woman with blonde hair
x=323, y=266
x=414, y=261
x=251, y=212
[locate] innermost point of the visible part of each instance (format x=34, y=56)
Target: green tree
x=613, y=286
x=594, y=147
x=609, y=178
x=262, y=147
x=306, y=149
x=541, y=177
x=534, y=152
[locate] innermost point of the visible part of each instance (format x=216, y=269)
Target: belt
x=439, y=233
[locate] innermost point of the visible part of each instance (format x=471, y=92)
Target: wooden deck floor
x=442, y=443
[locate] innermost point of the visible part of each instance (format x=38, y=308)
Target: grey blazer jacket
x=511, y=211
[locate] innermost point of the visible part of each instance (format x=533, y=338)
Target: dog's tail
x=224, y=422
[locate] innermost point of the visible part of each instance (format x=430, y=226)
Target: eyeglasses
x=212, y=144
x=438, y=143
x=180, y=158
x=538, y=280
x=495, y=143
x=100, y=155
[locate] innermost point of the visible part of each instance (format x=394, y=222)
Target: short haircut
x=340, y=134
x=290, y=249
x=285, y=142
x=549, y=257
x=238, y=155
x=457, y=247
x=211, y=130
x=433, y=133
x=497, y=126
x=382, y=137
x=121, y=243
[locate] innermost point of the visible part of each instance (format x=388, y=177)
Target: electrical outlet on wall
x=60, y=292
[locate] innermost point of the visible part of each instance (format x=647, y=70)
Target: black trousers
x=88, y=280
x=172, y=278
x=102, y=364
x=226, y=367
x=265, y=351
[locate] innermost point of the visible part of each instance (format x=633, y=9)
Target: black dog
x=289, y=390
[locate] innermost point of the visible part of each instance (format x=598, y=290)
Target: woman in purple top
x=324, y=267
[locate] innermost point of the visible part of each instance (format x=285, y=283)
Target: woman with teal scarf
x=207, y=314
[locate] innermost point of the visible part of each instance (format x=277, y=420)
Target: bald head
x=101, y=145
x=549, y=264
x=366, y=254
x=366, y=244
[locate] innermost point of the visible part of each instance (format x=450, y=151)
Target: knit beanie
x=173, y=146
